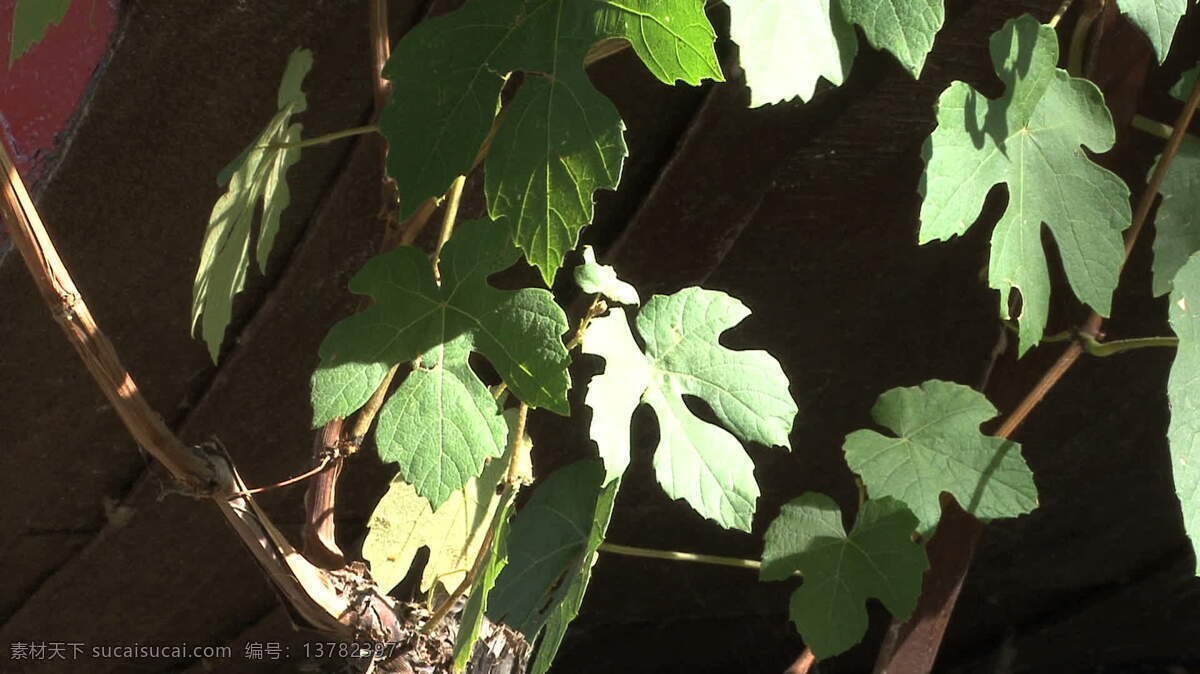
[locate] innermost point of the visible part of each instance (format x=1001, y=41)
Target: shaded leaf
x=877, y=559
x=1029, y=139
x=566, y=611
x=1183, y=432
x=257, y=175
x=1177, y=220
x=747, y=391
x=471, y=621
x=552, y=542
x=938, y=448
x=560, y=139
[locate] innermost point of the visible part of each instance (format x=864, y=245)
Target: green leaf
x=1187, y=81
x=519, y=331
x=1183, y=432
x=938, y=448
x=1176, y=226
x=441, y=424
x=552, y=542
x=878, y=559
x=258, y=174
x=31, y=20
x=785, y=46
x=1030, y=140
x=905, y=28
x=471, y=621
x=747, y=390
x=403, y=523
x=1157, y=19
x=594, y=278
x=560, y=139
x=566, y=611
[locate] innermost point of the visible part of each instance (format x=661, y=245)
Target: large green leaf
x=1157, y=19
x=938, y=448
x=552, y=543
x=258, y=174
x=747, y=390
x=1029, y=139
x=442, y=423
x=786, y=45
x=31, y=20
x=1177, y=220
x=560, y=139
x=403, y=523
x=877, y=559
x=1183, y=433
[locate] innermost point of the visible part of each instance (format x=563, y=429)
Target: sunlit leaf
x=747, y=391
x=258, y=175
x=938, y=448
x=1030, y=139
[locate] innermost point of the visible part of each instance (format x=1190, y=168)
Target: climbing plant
x=439, y=370
x=500, y=87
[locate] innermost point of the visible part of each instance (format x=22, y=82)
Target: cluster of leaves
x=544, y=153
x=787, y=46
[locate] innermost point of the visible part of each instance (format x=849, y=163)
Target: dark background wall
x=808, y=212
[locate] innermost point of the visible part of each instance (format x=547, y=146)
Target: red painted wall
x=41, y=91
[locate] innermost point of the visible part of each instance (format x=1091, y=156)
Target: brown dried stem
x=315, y=598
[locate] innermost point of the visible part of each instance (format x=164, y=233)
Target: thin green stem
x=453, y=198
x=1062, y=9
x=518, y=464
x=362, y=423
x=327, y=138
x=1083, y=26
x=1105, y=349
x=675, y=556
x=597, y=307
x=1156, y=128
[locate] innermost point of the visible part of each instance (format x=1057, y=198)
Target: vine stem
x=315, y=597
x=1106, y=349
x=452, y=200
x=1058, y=15
x=320, y=539
x=803, y=663
x=327, y=138
x=912, y=647
x=675, y=556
